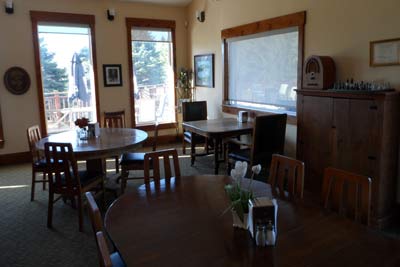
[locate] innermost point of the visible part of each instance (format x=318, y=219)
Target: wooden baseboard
x=164, y=140
x=15, y=158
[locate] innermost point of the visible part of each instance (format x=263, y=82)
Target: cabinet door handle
x=371, y=157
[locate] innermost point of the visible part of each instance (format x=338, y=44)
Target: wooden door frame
x=148, y=23
x=56, y=17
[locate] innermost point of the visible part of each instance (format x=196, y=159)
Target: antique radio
x=319, y=73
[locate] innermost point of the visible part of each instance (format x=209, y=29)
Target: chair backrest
x=62, y=168
x=348, y=193
x=268, y=138
x=114, y=119
x=94, y=213
x=194, y=111
x=153, y=158
x=286, y=177
x=155, y=137
x=104, y=253
x=34, y=135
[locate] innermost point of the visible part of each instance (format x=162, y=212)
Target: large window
x=263, y=64
x=152, y=76
x=64, y=52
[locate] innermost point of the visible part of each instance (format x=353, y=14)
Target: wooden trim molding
x=15, y=158
x=149, y=23
x=287, y=21
x=253, y=113
x=292, y=20
x=56, y=17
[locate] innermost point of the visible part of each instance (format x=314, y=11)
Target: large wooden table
x=180, y=224
x=111, y=142
x=217, y=130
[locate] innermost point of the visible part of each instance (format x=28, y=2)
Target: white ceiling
x=162, y=2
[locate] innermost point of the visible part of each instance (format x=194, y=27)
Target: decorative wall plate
x=17, y=80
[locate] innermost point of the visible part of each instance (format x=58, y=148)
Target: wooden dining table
x=216, y=129
x=181, y=223
x=110, y=142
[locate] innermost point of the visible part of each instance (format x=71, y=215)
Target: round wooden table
x=180, y=224
x=110, y=142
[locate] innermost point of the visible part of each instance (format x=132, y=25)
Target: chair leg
x=192, y=153
x=44, y=180
x=80, y=212
x=124, y=176
x=116, y=165
x=183, y=146
x=33, y=186
x=50, y=210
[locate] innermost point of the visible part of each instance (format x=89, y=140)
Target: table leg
x=96, y=165
x=216, y=153
x=192, y=151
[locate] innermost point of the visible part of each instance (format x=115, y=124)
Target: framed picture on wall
x=385, y=52
x=112, y=75
x=204, y=70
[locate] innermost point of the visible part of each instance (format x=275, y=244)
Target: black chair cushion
x=85, y=177
x=132, y=158
x=40, y=163
x=116, y=260
x=240, y=155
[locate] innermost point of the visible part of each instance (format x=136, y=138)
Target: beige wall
x=341, y=29
x=16, y=49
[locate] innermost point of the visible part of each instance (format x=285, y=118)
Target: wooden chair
x=115, y=119
x=268, y=138
x=38, y=160
x=135, y=161
x=66, y=180
x=286, y=177
x=97, y=225
x=152, y=159
x=107, y=259
x=347, y=193
x=194, y=111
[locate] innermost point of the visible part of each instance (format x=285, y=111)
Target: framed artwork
x=112, y=75
x=384, y=52
x=204, y=70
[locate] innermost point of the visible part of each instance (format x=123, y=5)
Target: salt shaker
x=270, y=234
x=260, y=235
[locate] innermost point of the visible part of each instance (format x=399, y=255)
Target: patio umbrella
x=79, y=84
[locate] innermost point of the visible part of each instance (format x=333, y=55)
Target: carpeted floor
x=24, y=238
x=26, y=241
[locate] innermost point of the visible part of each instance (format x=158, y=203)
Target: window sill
x=233, y=109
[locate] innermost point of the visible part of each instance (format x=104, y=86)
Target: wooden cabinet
x=358, y=132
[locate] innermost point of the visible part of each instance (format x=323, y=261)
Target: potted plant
x=184, y=88
x=240, y=196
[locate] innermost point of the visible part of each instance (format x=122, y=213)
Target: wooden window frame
x=148, y=23
x=292, y=20
x=56, y=17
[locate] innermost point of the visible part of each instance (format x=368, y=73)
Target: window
x=64, y=54
x=263, y=65
x=152, y=75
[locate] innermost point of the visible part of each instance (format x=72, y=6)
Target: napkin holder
x=261, y=211
x=242, y=116
x=94, y=129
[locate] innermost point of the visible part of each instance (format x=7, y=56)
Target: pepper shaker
x=260, y=235
x=270, y=234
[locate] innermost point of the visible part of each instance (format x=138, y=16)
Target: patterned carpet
x=24, y=238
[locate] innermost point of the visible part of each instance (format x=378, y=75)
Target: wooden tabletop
x=180, y=224
x=221, y=127
x=112, y=141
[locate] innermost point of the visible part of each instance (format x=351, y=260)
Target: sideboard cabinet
x=358, y=132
